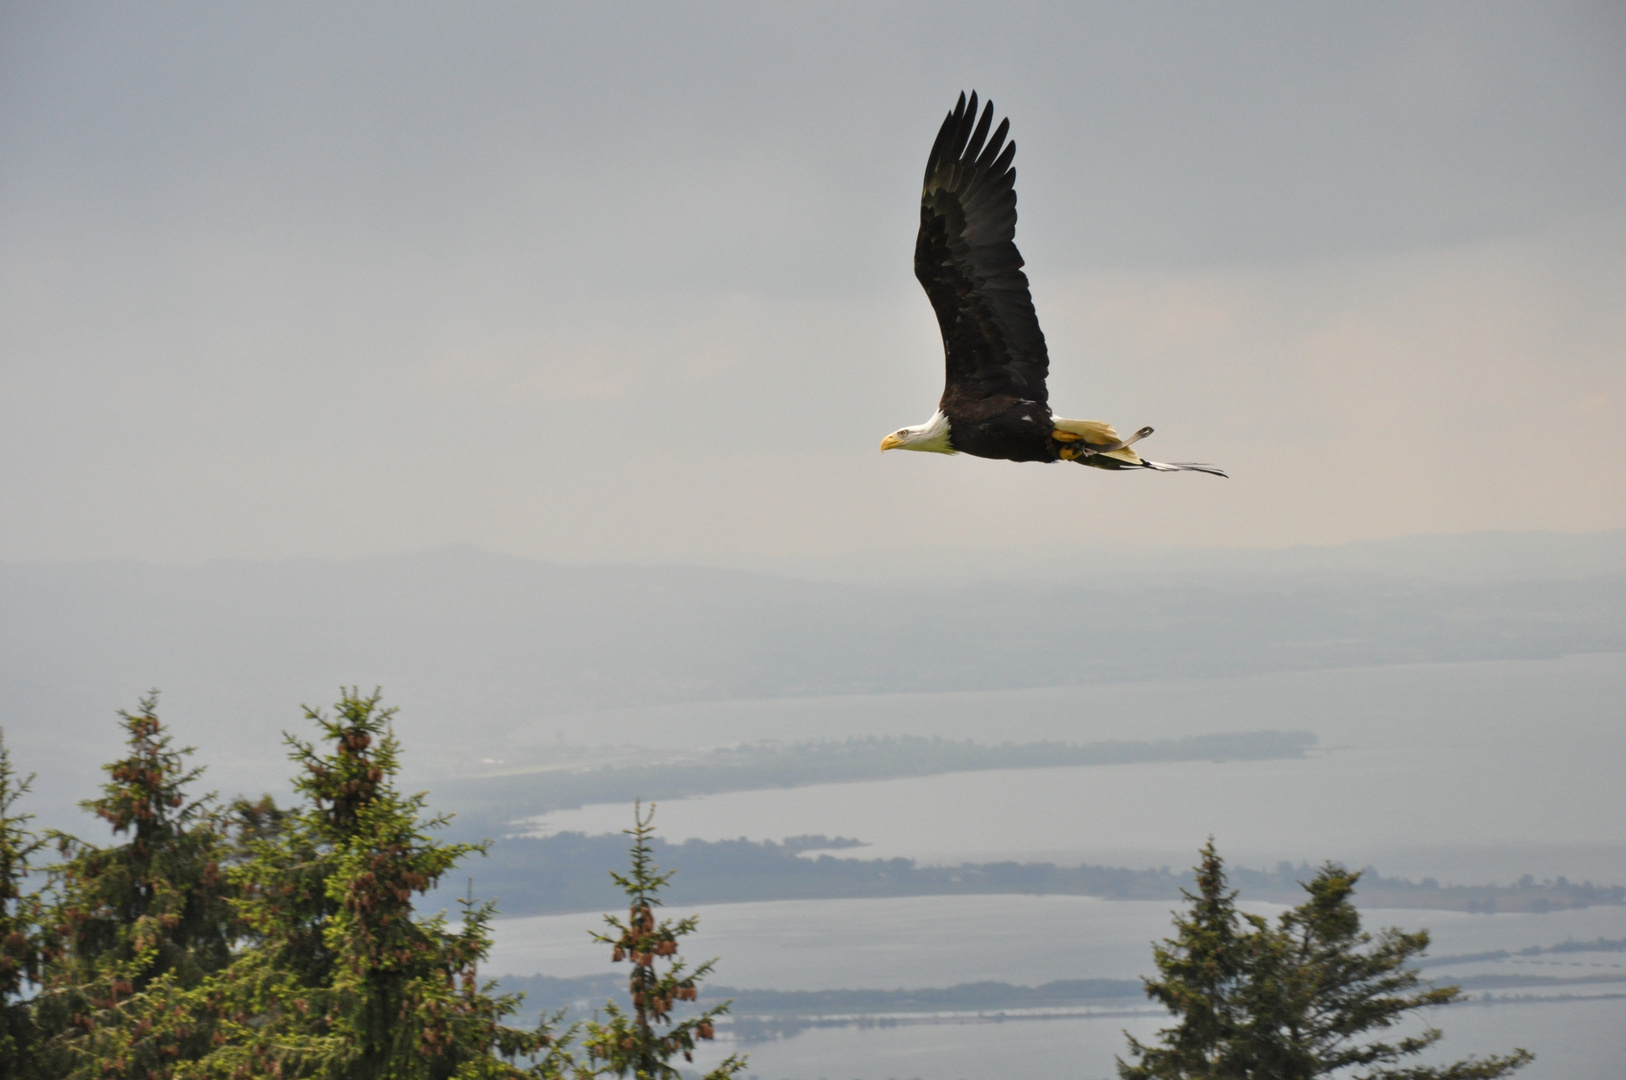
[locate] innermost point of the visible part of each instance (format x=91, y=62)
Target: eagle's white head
x=932, y=437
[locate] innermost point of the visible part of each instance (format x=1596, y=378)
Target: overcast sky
x=633, y=281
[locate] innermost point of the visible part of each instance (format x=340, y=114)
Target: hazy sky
x=633, y=281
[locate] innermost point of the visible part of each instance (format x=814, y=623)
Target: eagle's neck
x=932, y=436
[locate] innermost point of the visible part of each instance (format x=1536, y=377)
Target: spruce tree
x=340, y=978
x=1203, y=973
x=141, y=921
x=24, y=937
x=645, y=1042
x=1300, y=999
x=1324, y=986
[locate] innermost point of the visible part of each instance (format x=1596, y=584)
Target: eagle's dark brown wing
x=966, y=258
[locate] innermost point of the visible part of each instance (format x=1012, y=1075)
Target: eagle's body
x=994, y=402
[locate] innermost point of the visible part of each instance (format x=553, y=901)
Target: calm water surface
x=1464, y=772
x=940, y=941
x=1582, y=1040
x=943, y=940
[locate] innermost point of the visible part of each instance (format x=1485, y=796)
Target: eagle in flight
x=994, y=402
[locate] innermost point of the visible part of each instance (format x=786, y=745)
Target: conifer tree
x=138, y=921
x=645, y=1042
x=1292, y=1001
x=1322, y=986
x=24, y=943
x=340, y=978
x=1204, y=970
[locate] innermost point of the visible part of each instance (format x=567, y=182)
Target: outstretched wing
x=966, y=258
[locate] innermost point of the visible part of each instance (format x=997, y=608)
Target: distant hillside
x=1481, y=558
x=570, y=872
x=473, y=644
x=490, y=803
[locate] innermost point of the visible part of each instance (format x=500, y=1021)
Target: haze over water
x=1446, y=770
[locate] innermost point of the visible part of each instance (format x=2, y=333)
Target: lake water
x=1465, y=772
x=1582, y=1040
x=941, y=941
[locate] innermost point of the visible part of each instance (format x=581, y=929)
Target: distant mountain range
x=474, y=643
x=1460, y=557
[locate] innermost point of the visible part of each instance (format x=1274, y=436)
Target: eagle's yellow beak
x=891, y=442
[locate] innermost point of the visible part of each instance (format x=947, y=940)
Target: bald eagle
x=994, y=402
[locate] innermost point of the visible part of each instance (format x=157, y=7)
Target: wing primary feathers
x=936, y=156
x=962, y=129
x=1004, y=161
x=994, y=144
x=973, y=148
x=967, y=261
x=985, y=189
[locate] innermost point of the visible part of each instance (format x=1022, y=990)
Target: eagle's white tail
x=1094, y=443
x=1184, y=466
